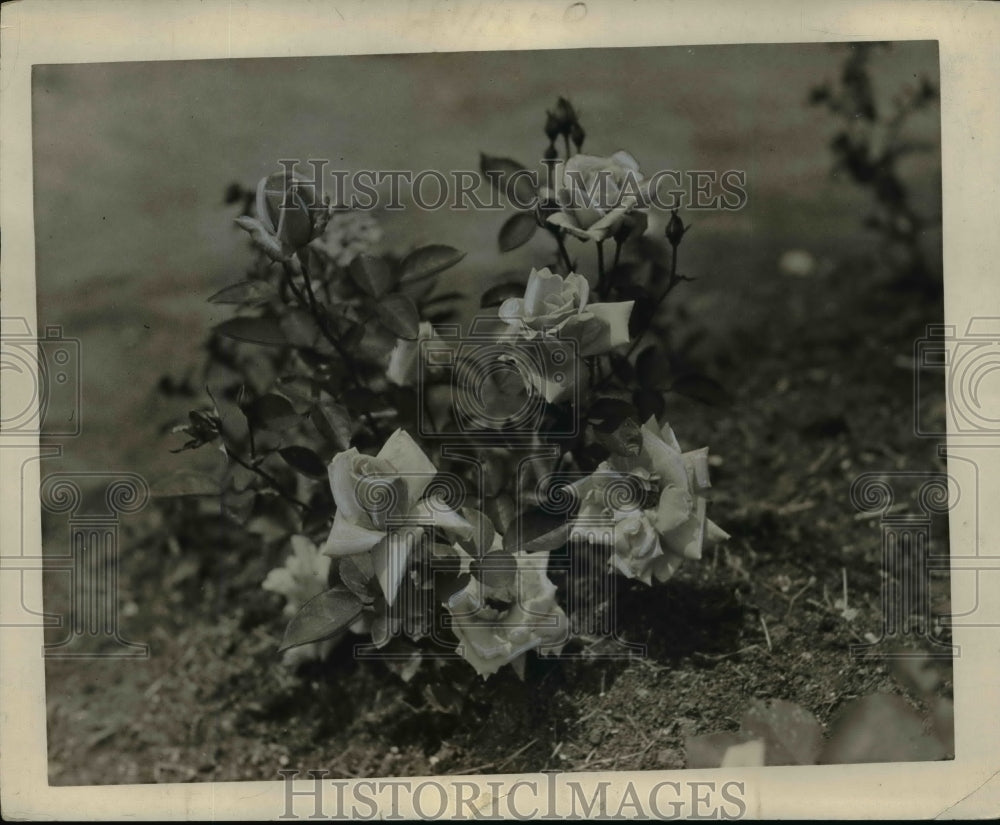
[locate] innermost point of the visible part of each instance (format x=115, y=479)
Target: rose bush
x=336, y=382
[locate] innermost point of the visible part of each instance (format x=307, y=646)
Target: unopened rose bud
x=675, y=229
x=551, y=126
x=234, y=192
x=295, y=225
x=564, y=115
x=577, y=135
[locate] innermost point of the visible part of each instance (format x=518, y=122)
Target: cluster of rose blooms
x=377, y=546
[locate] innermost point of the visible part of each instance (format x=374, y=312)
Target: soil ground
x=826, y=397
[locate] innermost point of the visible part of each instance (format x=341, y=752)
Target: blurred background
x=132, y=160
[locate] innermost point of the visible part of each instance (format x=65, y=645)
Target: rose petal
x=343, y=484
x=412, y=464
x=665, y=566
x=623, y=158
x=686, y=540
x=602, y=327
x=542, y=284
x=435, y=513
x=390, y=558
x=348, y=537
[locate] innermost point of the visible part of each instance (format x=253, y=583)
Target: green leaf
x=247, y=293
x=536, y=531
x=372, y=274
x=497, y=569
x=508, y=177
x=303, y=460
x=358, y=573
x=321, y=617
x=879, y=728
x=792, y=735
x=701, y=388
x=496, y=295
x=185, y=483
x=442, y=298
x=301, y=329
x=273, y=412
x=264, y=331
x=334, y=423
x=427, y=261
x=400, y=316
x=516, y=231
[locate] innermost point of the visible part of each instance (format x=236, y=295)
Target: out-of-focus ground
x=131, y=162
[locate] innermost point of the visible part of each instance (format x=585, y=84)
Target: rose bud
x=551, y=126
x=577, y=135
x=675, y=229
x=565, y=116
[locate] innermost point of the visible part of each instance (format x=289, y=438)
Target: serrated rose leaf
x=303, y=460
x=399, y=315
x=510, y=178
x=247, y=293
x=536, y=532
x=372, y=275
x=254, y=331
x=516, y=231
x=321, y=617
x=427, y=261
x=496, y=295
x=273, y=412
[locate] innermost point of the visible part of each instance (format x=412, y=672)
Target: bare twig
x=767, y=635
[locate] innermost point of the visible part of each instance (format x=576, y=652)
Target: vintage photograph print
x=495, y=412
